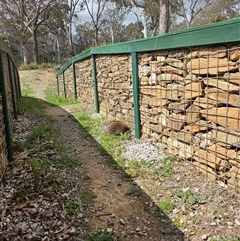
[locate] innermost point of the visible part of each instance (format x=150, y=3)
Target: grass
x=106, y=234
x=36, y=66
x=72, y=206
x=187, y=197
x=52, y=97
x=166, y=206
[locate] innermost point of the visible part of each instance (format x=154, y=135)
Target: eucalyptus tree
x=188, y=10
x=13, y=27
x=27, y=16
x=218, y=11
x=96, y=8
x=115, y=15
x=71, y=15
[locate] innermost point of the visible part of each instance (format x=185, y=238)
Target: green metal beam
x=216, y=33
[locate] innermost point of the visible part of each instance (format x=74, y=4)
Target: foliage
x=187, y=196
x=53, y=98
x=72, y=206
x=102, y=235
x=165, y=169
x=38, y=167
x=166, y=206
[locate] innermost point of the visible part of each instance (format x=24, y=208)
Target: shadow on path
x=119, y=202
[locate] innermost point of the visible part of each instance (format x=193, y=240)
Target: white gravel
x=137, y=150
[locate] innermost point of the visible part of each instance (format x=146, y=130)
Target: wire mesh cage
x=189, y=101
x=114, y=77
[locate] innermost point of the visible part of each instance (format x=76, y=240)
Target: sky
x=84, y=17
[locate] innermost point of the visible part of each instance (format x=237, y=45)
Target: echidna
x=115, y=128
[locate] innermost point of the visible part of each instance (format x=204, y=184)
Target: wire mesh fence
x=9, y=94
x=190, y=107
x=187, y=99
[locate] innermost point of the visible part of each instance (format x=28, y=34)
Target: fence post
x=74, y=80
x=136, y=95
x=12, y=88
x=17, y=82
x=5, y=111
x=94, y=69
x=64, y=86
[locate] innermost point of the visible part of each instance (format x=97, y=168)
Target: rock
x=228, y=117
x=212, y=66
x=205, y=236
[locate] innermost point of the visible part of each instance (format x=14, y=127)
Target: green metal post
x=58, y=86
x=12, y=87
x=5, y=112
x=64, y=86
x=17, y=82
x=136, y=95
x=74, y=80
x=94, y=69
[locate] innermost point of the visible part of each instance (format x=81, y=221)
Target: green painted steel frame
x=216, y=33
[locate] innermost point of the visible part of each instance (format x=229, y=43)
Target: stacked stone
x=114, y=76
x=84, y=82
x=190, y=106
x=189, y=102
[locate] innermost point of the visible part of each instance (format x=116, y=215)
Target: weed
x=165, y=170
x=106, y=234
x=41, y=131
x=38, y=168
x=64, y=161
x=167, y=166
x=35, y=66
x=187, y=196
x=135, y=192
x=24, y=194
x=225, y=239
x=166, y=206
x=72, y=206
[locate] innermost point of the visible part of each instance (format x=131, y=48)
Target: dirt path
x=133, y=218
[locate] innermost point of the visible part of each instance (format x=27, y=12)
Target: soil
x=114, y=206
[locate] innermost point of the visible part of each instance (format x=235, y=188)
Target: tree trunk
x=70, y=40
x=24, y=54
x=163, y=16
x=35, y=47
x=96, y=35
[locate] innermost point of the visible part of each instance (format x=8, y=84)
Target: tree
x=12, y=21
x=28, y=16
x=163, y=16
x=69, y=22
x=95, y=9
x=218, y=11
x=115, y=16
x=189, y=9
